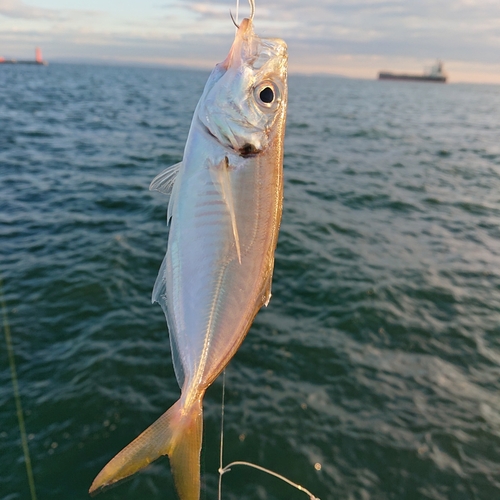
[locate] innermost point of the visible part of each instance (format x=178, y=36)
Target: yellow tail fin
x=178, y=434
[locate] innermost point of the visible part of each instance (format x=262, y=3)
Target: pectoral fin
x=165, y=183
x=165, y=180
x=221, y=176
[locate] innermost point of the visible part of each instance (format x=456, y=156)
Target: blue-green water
x=379, y=354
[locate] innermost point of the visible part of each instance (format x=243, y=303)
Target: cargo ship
x=436, y=74
x=38, y=59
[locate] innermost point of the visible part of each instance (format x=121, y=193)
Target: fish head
x=246, y=94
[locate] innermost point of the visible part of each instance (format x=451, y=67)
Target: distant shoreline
x=13, y=61
x=292, y=72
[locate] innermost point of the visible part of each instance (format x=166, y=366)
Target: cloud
x=452, y=29
x=319, y=31
x=367, y=25
x=210, y=10
x=19, y=10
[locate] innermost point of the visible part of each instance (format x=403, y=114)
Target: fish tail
x=178, y=434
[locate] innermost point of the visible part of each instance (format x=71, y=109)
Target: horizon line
x=297, y=70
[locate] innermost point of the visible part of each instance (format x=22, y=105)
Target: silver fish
x=225, y=212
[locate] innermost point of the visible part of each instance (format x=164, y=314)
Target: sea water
x=374, y=371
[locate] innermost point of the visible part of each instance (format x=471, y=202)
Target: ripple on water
x=374, y=371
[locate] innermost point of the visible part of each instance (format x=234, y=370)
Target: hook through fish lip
x=252, y=13
x=244, y=30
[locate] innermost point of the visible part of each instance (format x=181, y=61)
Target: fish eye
x=267, y=94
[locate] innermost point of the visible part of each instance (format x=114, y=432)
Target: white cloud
x=18, y=9
x=320, y=30
x=207, y=9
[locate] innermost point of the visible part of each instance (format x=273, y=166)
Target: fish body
x=224, y=211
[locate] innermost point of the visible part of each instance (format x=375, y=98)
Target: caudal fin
x=178, y=434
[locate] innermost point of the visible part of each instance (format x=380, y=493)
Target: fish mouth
x=243, y=35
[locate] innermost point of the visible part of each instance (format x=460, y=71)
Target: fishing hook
x=252, y=13
x=252, y=9
x=234, y=22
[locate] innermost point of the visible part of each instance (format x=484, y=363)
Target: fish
x=225, y=208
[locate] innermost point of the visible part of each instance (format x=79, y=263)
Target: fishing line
x=222, y=433
x=227, y=468
x=17, y=397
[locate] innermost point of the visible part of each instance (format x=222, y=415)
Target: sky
x=355, y=38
